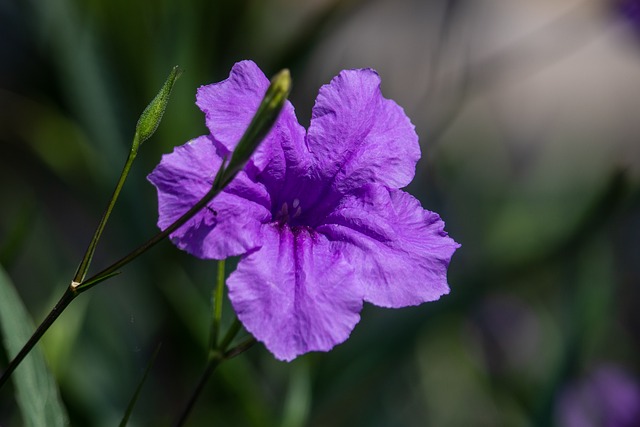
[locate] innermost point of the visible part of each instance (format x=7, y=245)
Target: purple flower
x=317, y=216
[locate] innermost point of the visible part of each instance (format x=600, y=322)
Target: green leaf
x=36, y=390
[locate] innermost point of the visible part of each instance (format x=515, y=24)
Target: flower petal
x=401, y=251
x=230, y=105
x=358, y=136
x=230, y=224
x=295, y=293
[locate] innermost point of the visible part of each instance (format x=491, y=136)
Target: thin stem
x=88, y=255
x=211, y=366
x=240, y=348
x=217, y=187
x=217, y=306
x=60, y=306
x=230, y=335
x=217, y=350
x=77, y=288
x=215, y=359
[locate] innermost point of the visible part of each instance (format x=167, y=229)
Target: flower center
x=285, y=215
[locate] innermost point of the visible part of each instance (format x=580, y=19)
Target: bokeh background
x=528, y=113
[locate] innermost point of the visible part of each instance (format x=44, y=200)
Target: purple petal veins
x=296, y=292
x=318, y=216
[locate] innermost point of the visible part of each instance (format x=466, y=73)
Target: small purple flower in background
x=317, y=215
x=608, y=398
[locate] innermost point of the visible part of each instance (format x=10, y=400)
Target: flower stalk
x=217, y=352
x=68, y=296
x=217, y=296
x=258, y=128
x=145, y=128
x=262, y=121
x=216, y=356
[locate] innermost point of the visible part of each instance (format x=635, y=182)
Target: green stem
x=217, y=306
x=57, y=310
x=240, y=348
x=77, y=288
x=230, y=335
x=88, y=255
x=211, y=366
x=217, y=187
x=216, y=357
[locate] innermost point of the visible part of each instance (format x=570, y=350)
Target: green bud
x=261, y=124
x=151, y=116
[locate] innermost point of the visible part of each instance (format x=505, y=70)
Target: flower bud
x=261, y=124
x=151, y=116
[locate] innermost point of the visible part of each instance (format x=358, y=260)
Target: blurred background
x=528, y=113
